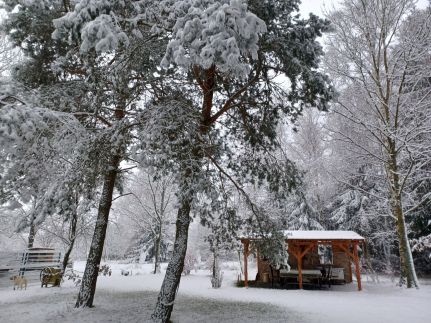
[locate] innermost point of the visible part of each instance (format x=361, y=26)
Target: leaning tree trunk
x=89, y=280
x=31, y=235
x=72, y=238
x=165, y=301
x=408, y=272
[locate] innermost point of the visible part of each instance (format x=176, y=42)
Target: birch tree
x=380, y=64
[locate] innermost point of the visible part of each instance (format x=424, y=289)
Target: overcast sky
x=317, y=6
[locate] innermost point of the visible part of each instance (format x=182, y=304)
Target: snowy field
x=132, y=298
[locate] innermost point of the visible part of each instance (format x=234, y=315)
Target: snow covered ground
x=132, y=298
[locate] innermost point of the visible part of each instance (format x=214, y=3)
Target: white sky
x=316, y=6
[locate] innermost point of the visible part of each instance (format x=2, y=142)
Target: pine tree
x=232, y=64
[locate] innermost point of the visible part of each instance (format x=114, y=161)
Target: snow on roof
x=322, y=235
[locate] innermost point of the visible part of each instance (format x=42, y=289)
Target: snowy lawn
x=132, y=298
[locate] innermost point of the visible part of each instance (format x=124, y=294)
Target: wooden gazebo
x=304, y=244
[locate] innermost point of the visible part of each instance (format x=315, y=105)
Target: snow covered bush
x=190, y=262
x=72, y=275
x=274, y=251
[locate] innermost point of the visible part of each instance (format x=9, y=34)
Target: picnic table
x=323, y=274
x=309, y=275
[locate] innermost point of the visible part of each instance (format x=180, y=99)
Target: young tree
x=149, y=205
x=379, y=63
x=70, y=220
x=308, y=148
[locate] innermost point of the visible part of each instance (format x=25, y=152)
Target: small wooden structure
x=50, y=275
x=302, y=247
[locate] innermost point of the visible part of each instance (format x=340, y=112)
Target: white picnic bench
x=29, y=260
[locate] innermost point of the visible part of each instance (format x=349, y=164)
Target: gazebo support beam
x=357, y=269
x=299, y=254
x=246, y=246
x=354, y=257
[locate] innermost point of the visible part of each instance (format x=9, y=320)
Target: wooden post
x=300, y=271
x=357, y=269
x=246, y=243
x=257, y=260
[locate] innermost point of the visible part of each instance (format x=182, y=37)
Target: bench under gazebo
x=304, y=259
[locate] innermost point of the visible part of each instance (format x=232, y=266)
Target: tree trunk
x=165, y=301
x=408, y=272
x=214, y=265
x=89, y=280
x=31, y=235
x=72, y=238
x=216, y=273
x=157, y=251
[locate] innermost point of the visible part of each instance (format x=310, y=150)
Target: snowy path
x=131, y=299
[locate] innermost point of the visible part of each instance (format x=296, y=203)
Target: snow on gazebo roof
x=322, y=235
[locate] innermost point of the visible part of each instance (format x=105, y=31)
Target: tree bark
x=89, y=280
x=157, y=251
x=408, y=272
x=72, y=238
x=216, y=274
x=165, y=301
x=31, y=235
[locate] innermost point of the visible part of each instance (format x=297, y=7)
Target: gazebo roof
x=318, y=235
x=322, y=235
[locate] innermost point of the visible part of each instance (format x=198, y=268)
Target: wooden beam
x=294, y=249
x=309, y=247
x=350, y=271
x=257, y=259
x=300, y=272
x=301, y=254
x=246, y=244
x=343, y=247
x=357, y=268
